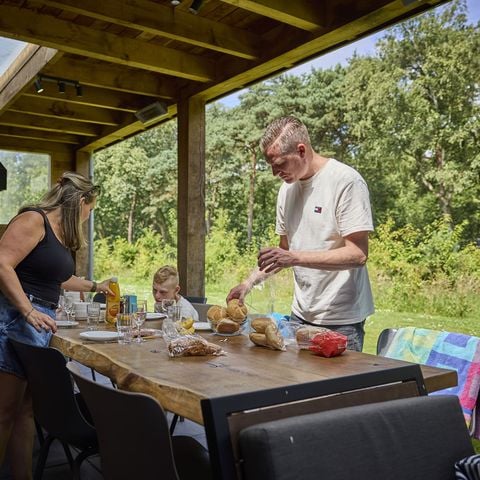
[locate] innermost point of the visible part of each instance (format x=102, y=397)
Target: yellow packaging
x=113, y=302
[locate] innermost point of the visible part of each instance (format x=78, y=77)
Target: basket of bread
x=229, y=320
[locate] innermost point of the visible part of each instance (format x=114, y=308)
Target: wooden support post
x=191, y=197
x=83, y=260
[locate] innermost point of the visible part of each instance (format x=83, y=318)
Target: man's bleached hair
x=286, y=133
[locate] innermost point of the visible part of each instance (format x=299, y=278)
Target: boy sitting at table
x=166, y=287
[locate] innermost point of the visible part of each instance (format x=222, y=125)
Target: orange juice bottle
x=113, y=302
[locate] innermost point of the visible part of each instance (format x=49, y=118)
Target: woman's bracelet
x=28, y=314
x=94, y=286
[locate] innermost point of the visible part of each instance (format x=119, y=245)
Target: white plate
x=99, y=335
x=234, y=334
x=65, y=323
x=155, y=315
x=202, y=326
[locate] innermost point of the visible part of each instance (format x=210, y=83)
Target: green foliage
x=27, y=181
x=425, y=270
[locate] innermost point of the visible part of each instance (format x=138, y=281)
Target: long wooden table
x=180, y=383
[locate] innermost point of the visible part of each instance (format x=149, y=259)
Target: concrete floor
x=57, y=467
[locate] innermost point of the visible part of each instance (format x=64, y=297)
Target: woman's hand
x=41, y=321
x=103, y=287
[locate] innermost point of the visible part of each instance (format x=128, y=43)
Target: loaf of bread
x=259, y=324
x=235, y=311
x=225, y=325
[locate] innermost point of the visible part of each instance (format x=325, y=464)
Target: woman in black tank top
x=35, y=263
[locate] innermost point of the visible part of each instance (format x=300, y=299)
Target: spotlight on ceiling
x=38, y=85
x=195, y=6
x=175, y=2
x=61, y=87
x=79, y=90
x=151, y=112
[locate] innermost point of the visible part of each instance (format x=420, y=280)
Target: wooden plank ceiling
x=128, y=54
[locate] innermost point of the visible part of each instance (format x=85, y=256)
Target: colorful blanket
x=455, y=351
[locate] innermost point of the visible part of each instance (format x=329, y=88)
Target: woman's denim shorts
x=13, y=323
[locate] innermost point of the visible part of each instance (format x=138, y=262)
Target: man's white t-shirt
x=315, y=214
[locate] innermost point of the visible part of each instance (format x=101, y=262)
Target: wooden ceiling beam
x=38, y=146
x=303, y=14
x=21, y=73
x=22, y=120
x=111, y=135
x=23, y=24
x=290, y=48
x=168, y=22
x=95, y=97
x=39, y=135
x=62, y=110
x=108, y=75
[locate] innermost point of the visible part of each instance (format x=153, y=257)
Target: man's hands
x=272, y=259
x=240, y=292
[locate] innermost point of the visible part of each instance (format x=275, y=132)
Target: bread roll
x=258, y=339
x=274, y=338
x=225, y=325
x=235, y=311
x=216, y=313
x=305, y=334
x=260, y=324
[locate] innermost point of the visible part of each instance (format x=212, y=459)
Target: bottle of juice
x=113, y=302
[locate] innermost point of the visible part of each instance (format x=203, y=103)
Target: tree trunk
x=251, y=193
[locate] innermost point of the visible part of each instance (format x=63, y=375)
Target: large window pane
x=28, y=177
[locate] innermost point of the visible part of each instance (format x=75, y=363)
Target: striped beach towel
x=455, y=351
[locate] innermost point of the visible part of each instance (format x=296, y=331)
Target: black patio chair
x=138, y=421
x=57, y=408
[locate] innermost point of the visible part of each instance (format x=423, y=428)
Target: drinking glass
x=124, y=328
x=68, y=307
x=139, y=318
x=93, y=315
x=167, y=303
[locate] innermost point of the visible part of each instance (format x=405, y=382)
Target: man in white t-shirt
x=166, y=287
x=323, y=219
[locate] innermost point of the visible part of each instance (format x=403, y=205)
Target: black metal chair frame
x=57, y=409
x=220, y=411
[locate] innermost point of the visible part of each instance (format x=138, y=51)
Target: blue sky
x=365, y=46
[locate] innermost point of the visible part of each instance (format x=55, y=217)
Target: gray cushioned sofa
x=407, y=439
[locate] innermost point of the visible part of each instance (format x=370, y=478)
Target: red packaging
x=328, y=344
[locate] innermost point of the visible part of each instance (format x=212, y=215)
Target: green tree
x=414, y=111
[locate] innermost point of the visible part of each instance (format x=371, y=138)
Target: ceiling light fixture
x=175, y=2
x=195, y=6
x=61, y=84
x=152, y=112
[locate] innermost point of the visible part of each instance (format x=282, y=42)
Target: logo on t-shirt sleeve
x=317, y=209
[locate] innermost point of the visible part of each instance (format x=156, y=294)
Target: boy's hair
x=165, y=273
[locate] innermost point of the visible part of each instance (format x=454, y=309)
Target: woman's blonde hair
x=66, y=194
